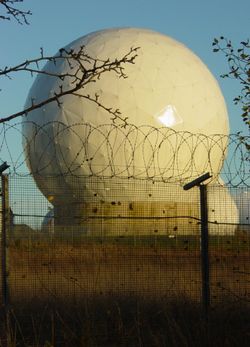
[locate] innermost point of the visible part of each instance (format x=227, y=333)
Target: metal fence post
x=204, y=239
x=204, y=249
x=4, y=260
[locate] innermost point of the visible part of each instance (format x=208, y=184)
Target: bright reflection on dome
x=169, y=116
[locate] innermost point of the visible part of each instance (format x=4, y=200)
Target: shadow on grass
x=125, y=321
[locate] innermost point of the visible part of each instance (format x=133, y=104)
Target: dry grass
x=74, y=269
x=110, y=293
x=72, y=290
x=127, y=322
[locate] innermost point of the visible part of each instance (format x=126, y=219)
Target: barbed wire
x=108, y=150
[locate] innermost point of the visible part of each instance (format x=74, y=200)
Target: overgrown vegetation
x=127, y=321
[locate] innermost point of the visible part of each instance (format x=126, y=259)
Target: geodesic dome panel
x=168, y=87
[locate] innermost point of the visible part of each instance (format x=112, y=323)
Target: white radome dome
x=243, y=203
x=168, y=86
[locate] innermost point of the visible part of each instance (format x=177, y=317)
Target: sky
x=54, y=24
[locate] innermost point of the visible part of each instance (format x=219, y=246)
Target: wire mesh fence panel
x=229, y=244
x=124, y=238
x=113, y=244
x=130, y=238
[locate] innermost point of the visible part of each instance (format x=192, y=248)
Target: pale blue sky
x=55, y=23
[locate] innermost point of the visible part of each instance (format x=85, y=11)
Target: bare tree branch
x=82, y=70
x=238, y=59
x=11, y=11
